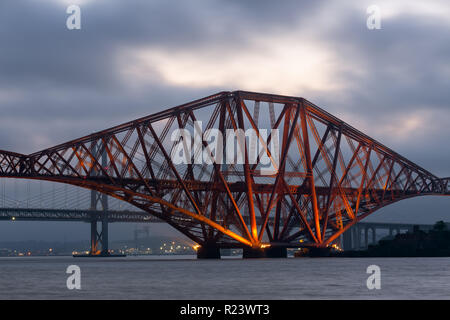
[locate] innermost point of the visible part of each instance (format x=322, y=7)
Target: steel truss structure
x=328, y=175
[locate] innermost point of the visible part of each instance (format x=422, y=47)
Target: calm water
x=188, y=278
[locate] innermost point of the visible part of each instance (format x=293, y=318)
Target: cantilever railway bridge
x=329, y=175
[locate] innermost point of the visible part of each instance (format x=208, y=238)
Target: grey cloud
x=67, y=84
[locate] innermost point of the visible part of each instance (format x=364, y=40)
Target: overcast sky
x=133, y=58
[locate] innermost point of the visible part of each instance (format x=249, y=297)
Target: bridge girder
x=326, y=176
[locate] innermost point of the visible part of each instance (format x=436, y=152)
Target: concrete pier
x=208, y=252
x=269, y=252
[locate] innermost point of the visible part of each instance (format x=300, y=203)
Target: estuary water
x=185, y=277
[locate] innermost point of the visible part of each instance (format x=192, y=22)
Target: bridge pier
x=276, y=252
x=105, y=232
x=94, y=238
x=253, y=253
x=99, y=238
x=208, y=252
x=270, y=252
x=319, y=252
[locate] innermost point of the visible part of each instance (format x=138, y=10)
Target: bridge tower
x=99, y=202
x=99, y=238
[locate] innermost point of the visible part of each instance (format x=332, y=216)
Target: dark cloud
x=57, y=85
x=398, y=71
x=405, y=63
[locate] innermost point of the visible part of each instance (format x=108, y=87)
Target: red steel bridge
x=326, y=177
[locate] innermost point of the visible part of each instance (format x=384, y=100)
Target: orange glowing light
x=336, y=247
